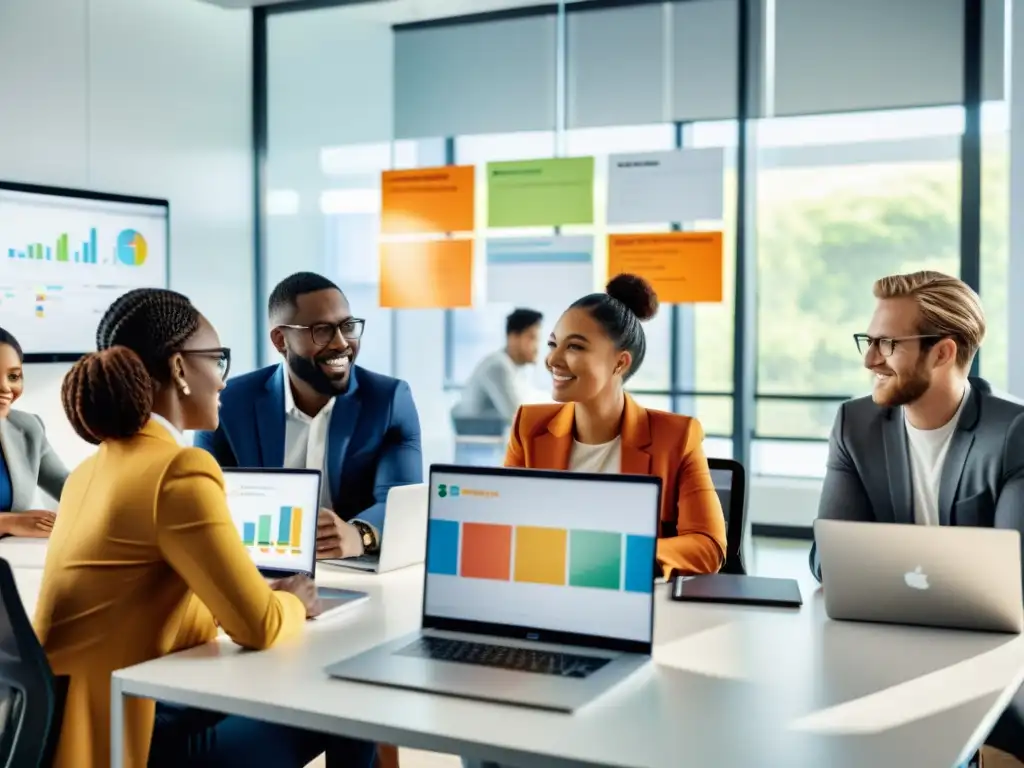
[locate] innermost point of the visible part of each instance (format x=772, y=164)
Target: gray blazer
x=31, y=461
x=868, y=473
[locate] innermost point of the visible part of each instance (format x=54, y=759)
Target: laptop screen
x=542, y=555
x=275, y=513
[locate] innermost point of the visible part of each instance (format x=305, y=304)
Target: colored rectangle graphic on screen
x=248, y=534
x=443, y=547
x=486, y=551
x=595, y=559
x=540, y=555
x=639, y=564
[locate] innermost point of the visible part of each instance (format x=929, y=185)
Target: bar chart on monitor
x=278, y=530
x=63, y=260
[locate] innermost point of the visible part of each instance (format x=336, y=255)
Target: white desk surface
x=732, y=686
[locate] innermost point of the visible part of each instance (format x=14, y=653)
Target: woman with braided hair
x=144, y=558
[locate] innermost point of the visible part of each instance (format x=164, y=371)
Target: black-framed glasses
x=221, y=354
x=886, y=345
x=323, y=333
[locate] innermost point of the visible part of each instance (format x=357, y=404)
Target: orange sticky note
x=682, y=267
x=426, y=274
x=427, y=200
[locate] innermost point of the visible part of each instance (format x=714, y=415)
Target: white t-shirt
x=605, y=459
x=928, y=449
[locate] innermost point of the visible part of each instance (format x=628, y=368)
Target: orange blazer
x=654, y=443
x=143, y=558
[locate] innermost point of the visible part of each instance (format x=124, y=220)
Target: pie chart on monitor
x=131, y=248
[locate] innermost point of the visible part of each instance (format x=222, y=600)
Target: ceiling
x=400, y=11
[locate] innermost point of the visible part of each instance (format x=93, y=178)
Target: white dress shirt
x=179, y=438
x=305, y=440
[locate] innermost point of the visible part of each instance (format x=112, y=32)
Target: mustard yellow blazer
x=654, y=443
x=143, y=558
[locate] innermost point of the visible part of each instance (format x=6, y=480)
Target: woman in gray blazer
x=26, y=459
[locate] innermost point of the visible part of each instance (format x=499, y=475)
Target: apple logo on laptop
x=916, y=579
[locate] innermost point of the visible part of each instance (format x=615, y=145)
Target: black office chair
x=731, y=484
x=31, y=697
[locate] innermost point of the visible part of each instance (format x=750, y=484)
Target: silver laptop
x=538, y=588
x=954, y=577
x=275, y=513
x=405, y=530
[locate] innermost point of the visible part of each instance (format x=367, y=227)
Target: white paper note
x=662, y=187
x=539, y=271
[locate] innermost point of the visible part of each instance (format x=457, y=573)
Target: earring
x=185, y=390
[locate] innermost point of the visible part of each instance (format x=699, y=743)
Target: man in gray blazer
x=929, y=446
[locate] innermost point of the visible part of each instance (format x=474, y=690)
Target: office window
x=995, y=241
x=841, y=201
x=477, y=332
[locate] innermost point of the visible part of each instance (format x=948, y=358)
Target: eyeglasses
x=886, y=346
x=322, y=334
x=222, y=355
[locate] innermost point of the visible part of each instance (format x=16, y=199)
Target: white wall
x=147, y=97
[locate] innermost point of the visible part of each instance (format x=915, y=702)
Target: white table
x=732, y=687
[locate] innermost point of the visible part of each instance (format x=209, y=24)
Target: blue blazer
x=373, y=441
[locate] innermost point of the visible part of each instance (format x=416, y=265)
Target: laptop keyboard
x=505, y=657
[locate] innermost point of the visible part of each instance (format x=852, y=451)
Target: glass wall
x=854, y=173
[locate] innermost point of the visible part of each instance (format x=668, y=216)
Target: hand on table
x=303, y=588
x=33, y=523
x=335, y=538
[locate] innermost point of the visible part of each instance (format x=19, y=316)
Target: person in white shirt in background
x=495, y=389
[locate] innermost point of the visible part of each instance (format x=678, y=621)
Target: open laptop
x=538, y=588
x=954, y=577
x=275, y=512
x=405, y=530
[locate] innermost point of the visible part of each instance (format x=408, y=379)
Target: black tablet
x=737, y=590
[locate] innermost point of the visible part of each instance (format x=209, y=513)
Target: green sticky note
x=540, y=193
x=595, y=559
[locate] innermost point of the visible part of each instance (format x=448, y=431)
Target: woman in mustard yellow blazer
x=144, y=558
x=595, y=426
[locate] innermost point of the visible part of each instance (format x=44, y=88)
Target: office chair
x=734, y=504
x=31, y=697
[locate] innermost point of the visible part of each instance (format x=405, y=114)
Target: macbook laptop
x=538, y=588
x=944, y=576
x=275, y=512
x=405, y=529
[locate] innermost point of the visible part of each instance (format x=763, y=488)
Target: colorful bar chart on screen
x=531, y=554
x=59, y=251
x=260, y=533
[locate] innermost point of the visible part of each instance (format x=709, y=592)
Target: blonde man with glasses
x=929, y=446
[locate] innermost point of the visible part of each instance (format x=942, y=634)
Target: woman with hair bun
x=144, y=558
x=594, y=426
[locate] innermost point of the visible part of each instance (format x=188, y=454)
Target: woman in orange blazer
x=144, y=558
x=595, y=426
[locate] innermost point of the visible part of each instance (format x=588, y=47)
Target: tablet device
x=737, y=590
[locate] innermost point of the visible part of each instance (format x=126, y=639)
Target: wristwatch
x=368, y=536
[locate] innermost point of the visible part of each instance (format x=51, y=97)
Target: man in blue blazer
x=319, y=410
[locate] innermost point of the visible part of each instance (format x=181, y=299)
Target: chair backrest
x=731, y=485
x=31, y=698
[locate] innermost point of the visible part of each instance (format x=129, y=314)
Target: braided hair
x=108, y=394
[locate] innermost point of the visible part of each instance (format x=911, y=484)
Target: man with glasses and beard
x=929, y=446
x=318, y=410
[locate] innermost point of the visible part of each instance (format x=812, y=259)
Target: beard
x=309, y=371
x=903, y=389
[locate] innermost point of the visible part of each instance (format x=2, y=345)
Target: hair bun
x=107, y=395
x=636, y=293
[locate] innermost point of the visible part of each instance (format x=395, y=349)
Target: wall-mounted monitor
x=65, y=255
